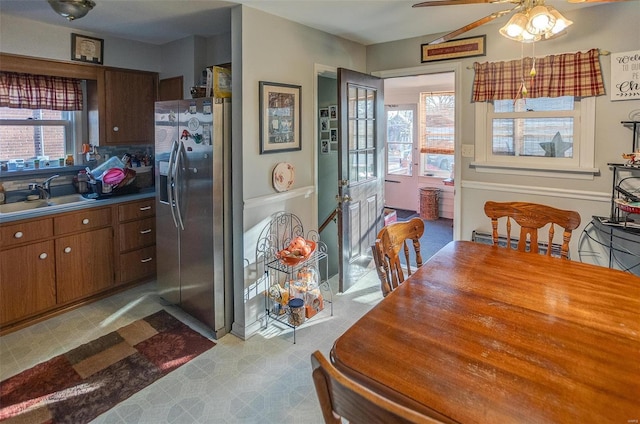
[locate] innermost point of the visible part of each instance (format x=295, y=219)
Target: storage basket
x=429, y=205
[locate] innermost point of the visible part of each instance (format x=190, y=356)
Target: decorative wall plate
x=283, y=176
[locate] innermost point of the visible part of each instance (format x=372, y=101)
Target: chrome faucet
x=44, y=189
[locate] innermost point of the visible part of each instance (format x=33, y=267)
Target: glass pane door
x=400, y=133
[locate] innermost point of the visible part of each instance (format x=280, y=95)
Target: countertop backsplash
x=16, y=183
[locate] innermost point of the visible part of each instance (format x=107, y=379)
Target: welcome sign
x=625, y=76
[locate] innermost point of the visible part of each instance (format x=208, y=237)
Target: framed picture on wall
x=324, y=112
x=87, y=49
x=324, y=146
x=334, y=134
x=280, y=117
x=324, y=124
x=333, y=112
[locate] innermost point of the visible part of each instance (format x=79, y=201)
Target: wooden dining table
x=484, y=334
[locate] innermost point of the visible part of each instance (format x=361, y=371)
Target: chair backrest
x=341, y=397
x=393, y=239
x=531, y=217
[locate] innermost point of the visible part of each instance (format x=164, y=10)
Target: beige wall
x=612, y=27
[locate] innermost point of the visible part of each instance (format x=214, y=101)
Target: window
x=400, y=123
x=28, y=134
x=536, y=135
x=361, y=134
x=437, y=133
x=41, y=118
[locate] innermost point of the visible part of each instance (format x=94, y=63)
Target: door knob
x=343, y=199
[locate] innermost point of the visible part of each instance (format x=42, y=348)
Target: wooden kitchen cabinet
x=49, y=264
x=27, y=281
x=84, y=264
x=84, y=253
x=27, y=269
x=137, y=240
x=129, y=106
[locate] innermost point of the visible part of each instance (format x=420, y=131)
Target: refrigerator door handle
x=171, y=181
x=179, y=158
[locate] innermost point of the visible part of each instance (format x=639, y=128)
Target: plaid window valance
x=572, y=74
x=28, y=91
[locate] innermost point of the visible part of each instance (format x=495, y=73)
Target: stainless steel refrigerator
x=192, y=141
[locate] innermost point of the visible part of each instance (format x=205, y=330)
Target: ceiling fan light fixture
x=540, y=20
x=515, y=26
x=72, y=9
x=561, y=22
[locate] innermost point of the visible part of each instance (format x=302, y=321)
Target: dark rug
x=405, y=214
x=81, y=384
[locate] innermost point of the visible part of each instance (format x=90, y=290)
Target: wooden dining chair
x=341, y=397
x=390, y=242
x=532, y=217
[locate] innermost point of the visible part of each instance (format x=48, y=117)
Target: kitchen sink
x=28, y=205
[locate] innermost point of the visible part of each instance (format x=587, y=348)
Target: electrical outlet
x=468, y=150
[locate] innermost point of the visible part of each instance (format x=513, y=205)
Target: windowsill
x=51, y=170
x=535, y=170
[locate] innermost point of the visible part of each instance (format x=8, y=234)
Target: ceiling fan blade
x=470, y=26
x=594, y=1
x=456, y=2
x=449, y=2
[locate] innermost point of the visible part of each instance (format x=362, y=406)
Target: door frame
x=456, y=68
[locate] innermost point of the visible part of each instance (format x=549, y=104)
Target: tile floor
x=266, y=379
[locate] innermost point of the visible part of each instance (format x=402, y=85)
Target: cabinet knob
x=145, y=231
x=116, y=129
x=146, y=260
x=43, y=256
x=85, y=221
x=19, y=234
x=67, y=249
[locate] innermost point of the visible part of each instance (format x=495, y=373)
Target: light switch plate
x=468, y=150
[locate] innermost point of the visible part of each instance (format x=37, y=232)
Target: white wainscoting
x=474, y=195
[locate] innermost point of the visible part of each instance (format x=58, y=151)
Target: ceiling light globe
x=72, y=9
x=561, y=22
x=514, y=27
x=540, y=20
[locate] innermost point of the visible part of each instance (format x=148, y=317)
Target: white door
x=402, y=155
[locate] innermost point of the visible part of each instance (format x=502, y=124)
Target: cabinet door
x=27, y=281
x=130, y=97
x=84, y=264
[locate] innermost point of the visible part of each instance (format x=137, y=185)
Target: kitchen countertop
x=69, y=207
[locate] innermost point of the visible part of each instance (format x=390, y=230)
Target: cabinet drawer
x=137, y=234
x=136, y=210
x=82, y=221
x=25, y=232
x=138, y=264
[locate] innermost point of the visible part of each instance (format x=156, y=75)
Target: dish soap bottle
x=69, y=160
x=2, y=195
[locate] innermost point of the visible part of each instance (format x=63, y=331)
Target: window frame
x=581, y=166
x=73, y=129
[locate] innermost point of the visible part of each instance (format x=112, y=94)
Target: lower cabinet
x=137, y=240
x=27, y=281
x=65, y=259
x=84, y=264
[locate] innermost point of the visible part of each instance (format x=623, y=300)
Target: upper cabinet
x=120, y=102
x=129, y=104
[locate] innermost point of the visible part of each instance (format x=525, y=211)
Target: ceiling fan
x=519, y=27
